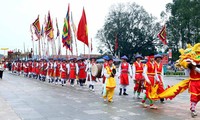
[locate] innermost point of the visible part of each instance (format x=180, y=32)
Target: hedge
x=175, y=73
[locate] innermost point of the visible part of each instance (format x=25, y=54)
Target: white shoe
x=193, y=114
x=92, y=90
x=153, y=107
x=104, y=100
x=72, y=85
x=144, y=105
x=138, y=97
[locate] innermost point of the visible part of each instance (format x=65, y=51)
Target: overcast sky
x=17, y=15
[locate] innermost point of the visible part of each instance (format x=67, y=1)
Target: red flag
x=82, y=33
x=163, y=35
x=116, y=43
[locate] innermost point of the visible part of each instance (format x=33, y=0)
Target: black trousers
x=1, y=74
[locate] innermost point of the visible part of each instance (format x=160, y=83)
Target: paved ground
x=28, y=99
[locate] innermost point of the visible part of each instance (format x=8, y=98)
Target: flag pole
x=89, y=52
x=39, y=48
x=76, y=45
x=45, y=50
x=24, y=47
x=33, y=47
x=48, y=48
x=84, y=49
x=42, y=42
x=59, y=47
x=54, y=47
x=36, y=50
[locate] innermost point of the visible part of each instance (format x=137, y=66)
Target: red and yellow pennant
x=163, y=35
x=36, y=25
x=49, y=25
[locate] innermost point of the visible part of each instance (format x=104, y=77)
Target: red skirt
x=50, y=72
x=57, y=73
x=63, y=75
x=72, y=74
x=124, y=79
x=25, y=70
x=44, y=72
x=37, y=70
x=82, y=74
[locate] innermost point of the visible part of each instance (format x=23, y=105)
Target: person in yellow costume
x=110, y=82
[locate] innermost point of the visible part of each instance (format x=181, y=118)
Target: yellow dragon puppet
x=189, y=55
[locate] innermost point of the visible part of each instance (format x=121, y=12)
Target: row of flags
x=48, y=31
x=81, y=33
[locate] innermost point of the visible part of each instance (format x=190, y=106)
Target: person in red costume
x=21, y=67
x=44, y=68
x=137, y=75
x=33, y=68
x=150, y=75
x=25, y=66
x=81, y=72
x=56, y=71
x=37, y=70
x=63, y=71
x=40, y=68
x=30, y=68
x=124, y=73
x=50, y=70
x=159, y=69
x=194, y=85
x=72, y=70
x=18, y=67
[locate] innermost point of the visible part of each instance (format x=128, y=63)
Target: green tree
x=183, y=24
x=136, y=30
